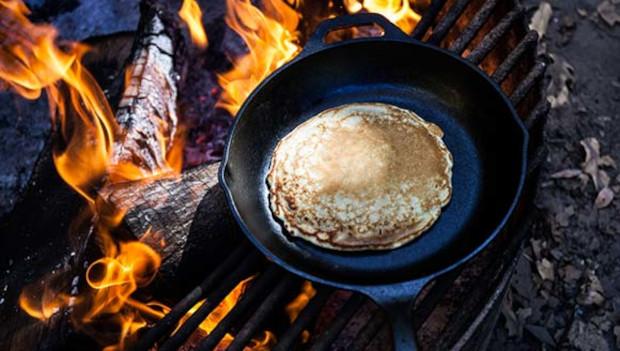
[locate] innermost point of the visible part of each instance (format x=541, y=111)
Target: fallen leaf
x=545, y=269
x=591, y=297
x=582, y=12
x=607, y=11
x=512, y=322
x=604, y=198
x=594, y=161
x=540, y=19
x=592, y=148
x=567, y=173
x=592, y=292
x=607, y=161
x=562, y=78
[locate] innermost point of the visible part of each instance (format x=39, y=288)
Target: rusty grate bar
x=257, y=291
x=492, y=38
x=167, y=324
x=527, y=43
x=474, y=26
x=244, y=269
x=277, y=295
x=536, y=73
x=432, y=298
x=443, y=27
x=344, y=315
x=427, y=19
x=307, y=315
x=369, y=331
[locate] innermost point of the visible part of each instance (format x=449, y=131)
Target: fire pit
x=154, y=260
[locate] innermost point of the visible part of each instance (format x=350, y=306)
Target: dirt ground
x=566, y=291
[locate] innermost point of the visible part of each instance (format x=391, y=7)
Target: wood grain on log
x=147, y=111
x=185, y=219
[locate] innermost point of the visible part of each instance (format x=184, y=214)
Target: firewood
x=147, y=110
x=185, y=219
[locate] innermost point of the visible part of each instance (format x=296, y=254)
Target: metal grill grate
x=269, y=292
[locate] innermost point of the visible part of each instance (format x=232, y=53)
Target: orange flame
x=299, y=303
x=265, y=343
x=30, y=61
x=115, y=277
x=191, y=14
x=271, y=38
x=398, y=12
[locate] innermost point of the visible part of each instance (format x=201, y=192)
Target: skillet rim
x=416, y=280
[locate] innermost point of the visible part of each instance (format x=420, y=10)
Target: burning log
x=185, y=219
x=147, y=109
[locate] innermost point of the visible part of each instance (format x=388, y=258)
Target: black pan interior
x=487, y=143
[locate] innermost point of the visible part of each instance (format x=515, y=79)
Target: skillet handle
x=397, y=302
x=316, y=41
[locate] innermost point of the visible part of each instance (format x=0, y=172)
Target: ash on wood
x=147, y=110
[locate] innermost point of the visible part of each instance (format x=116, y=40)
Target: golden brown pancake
x=364, y=176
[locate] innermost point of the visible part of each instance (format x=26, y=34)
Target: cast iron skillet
x=482, y=131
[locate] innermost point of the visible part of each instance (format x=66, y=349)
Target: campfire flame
x=271, y=37
x=398, y=12
x=191, y=14
x=31, y=61
x=299, y=303
x=265, y=343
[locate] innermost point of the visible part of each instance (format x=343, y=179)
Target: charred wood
x=147, y=110
x=185, y=219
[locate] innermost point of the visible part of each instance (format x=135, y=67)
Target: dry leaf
x=592, y=297
x=512, y=323
x=592, y=293
x=604, y=198
x=540, y=20
x=545, y=269
x=567, y=173
x=562, y=78
x=607, y=11
x=594, y=161
x=590, y=166
x=607, y=161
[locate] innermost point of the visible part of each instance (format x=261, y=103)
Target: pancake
x=364, y=176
